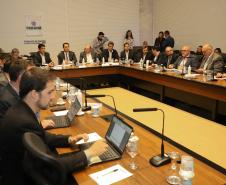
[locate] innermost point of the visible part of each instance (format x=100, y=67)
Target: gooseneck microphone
x=85, y=107
x=161, y=159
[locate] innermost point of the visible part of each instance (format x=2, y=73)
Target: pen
x=115, y=170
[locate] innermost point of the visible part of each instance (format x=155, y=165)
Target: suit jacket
x=169, y=41
x=83, y=55
x=170, y=60
x=61, y=57
x=8, y=97
x=18, y=120
x=38, y=59
x=192, y=61
x=131, y=55
x=105, y=54
x=215, y=62
x=159, y=60
x=139, y=55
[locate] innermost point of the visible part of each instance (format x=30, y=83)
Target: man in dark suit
x=158, y=57
x=144, y=55
x=169, y=40
x=127, y=53
x=211, y=61
x=88, y=55
x=170, y=57
x=110, y=54
x=36, y=91
x=185, y=60
x=41, y=57
x=66, y=55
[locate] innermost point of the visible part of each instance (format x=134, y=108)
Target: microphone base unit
x=158, y=160
x=86, y=108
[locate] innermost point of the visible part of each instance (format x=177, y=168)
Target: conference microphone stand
x=106, y=117
x=161, y=159
x=213, y=79
x=85, y=107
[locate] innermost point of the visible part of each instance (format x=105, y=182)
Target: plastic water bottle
x=83, y=61
x=189, y=70
x=141, y=63
x=103, y=60
x=97, y=61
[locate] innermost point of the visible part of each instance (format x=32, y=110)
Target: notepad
x=110, y=175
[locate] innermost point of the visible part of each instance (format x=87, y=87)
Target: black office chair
x=39, y=162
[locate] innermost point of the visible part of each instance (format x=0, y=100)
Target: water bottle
x=189, y=69
x=103, y=60
x=83, y=61
x=57, y=83
x=141, y=63
x=71, y=94
x=97, y=61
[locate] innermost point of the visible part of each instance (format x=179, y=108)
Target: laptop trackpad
x=95, y=159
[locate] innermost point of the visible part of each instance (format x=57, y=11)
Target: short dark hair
x=65, y=43
x=34, y=79
x=101, y=33
x=156, y=48
x=126, y=43
x=218, y=49
x=16, y=68
x=7, y=65
x=167, y=32
x=111, y=42
x=41, y=45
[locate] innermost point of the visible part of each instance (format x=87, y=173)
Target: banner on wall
x=33, y=25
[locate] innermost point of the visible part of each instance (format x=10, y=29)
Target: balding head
x=207, y=50
x=169, y=51
x=87, y=48
x=185, y=51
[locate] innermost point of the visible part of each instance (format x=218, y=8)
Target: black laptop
x=117, y=138
x=66, y=120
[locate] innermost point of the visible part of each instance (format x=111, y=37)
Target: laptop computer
x=117, y=137
x=66, y=120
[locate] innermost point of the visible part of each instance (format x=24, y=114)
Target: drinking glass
x=132, y=150
x=174, y=177
x=187, y=168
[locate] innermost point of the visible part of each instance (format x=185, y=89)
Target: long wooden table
x=198, y=92
x=149, y=145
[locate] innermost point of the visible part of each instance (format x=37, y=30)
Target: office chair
x=42, y=167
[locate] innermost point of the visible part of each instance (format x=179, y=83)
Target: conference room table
x=209, y=95
x=148, y=146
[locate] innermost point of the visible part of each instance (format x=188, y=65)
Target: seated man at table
x=144, y=55
x=185, y=60
x=170, y=57
x=158, y=57
x=110, y=54
x=36, y=91
x=66, y=55
x=211, y=61
x=41, y=57
x=88, y=55
x=10, y=93
x=127, y=53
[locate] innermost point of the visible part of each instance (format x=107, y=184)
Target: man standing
x=169, y=41
x=98, y=43
x=66, y=55
x=41, y=57
x=36, y=91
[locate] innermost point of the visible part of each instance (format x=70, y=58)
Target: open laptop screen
x=74, y=108
x=118, y=133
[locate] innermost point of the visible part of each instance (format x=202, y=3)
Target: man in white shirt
x=88, y=55
x=66, y=55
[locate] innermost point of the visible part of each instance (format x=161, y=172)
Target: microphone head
x=95, y=96
x=144, y=109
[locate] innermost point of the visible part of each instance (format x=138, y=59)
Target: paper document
x=110, y=175
x=60, y=113
x=92, y=137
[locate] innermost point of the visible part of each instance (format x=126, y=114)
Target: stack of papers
x=92, y=137
x=110, y=175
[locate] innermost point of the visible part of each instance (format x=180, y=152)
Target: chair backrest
x=40, y=163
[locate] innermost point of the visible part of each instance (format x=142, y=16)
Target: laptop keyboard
x=60, y=121
x=109, y=154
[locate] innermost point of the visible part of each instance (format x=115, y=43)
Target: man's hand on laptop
x=47, y=123
x=73, y=139
x=96, y=149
